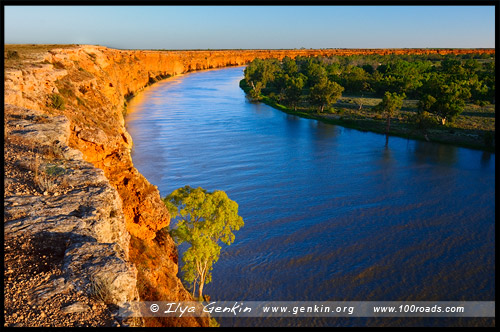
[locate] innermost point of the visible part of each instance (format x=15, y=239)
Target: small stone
x=45, y=193
x=75, y=307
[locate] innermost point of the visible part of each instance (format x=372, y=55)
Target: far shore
x=472, y=139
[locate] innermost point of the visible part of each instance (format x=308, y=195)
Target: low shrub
x=57, y=101
x=12, y=55
x=423, y=120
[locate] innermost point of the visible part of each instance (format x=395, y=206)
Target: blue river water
x=331, y=213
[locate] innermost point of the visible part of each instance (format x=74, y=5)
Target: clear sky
x=253, y=27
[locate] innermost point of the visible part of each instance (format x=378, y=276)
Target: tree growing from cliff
x=205, y=220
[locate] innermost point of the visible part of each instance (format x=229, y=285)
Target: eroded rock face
x=74, y=206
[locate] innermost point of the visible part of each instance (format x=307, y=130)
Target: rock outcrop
x=73, y=208
x=115, y=217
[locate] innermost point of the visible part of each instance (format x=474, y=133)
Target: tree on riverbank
x=325, y=93
x=390, y=104
x=439, y=88
x=258, y=73
x=293, y=89
x=450, y=101
x=205, y=220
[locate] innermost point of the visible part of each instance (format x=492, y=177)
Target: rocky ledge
x=66, y=245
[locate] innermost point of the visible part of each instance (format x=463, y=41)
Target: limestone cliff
x=89, y=86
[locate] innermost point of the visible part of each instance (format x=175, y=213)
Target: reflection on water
x=330, y=213
x=435, y=153
x=486, y=159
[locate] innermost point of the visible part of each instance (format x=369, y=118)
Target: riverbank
x=346, y=116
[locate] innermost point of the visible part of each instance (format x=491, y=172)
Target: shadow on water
x=434, y=153
x=485, y=159
x=323, y=131
x=292, y=118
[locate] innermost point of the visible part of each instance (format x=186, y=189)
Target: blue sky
x=251, y=27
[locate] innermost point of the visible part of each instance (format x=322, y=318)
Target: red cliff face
x=94, y=83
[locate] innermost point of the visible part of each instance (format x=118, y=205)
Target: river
x=331, y=213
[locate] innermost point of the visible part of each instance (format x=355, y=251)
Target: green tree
x=289, y=66
x=425, y=103
x=325, y=93
x=204, y=221
x=293, y=90
x=315, y=73
x=256, y=90
x=391, y=103
x=450, y=101
x=259, y=73
x=355, y=79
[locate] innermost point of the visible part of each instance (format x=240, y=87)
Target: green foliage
x=355, y=79
x=391, y=103
x=293, y=89
x=258, y=73
x=425, y=103
x=204, y=221
x=57, y=101
x=314, y=72
x=441, y=85
x=289, y=66
x=450, y=101
x=325, y=93
x=256, y=90
x=423, y=120
x=55, y=170
x=65, y=87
